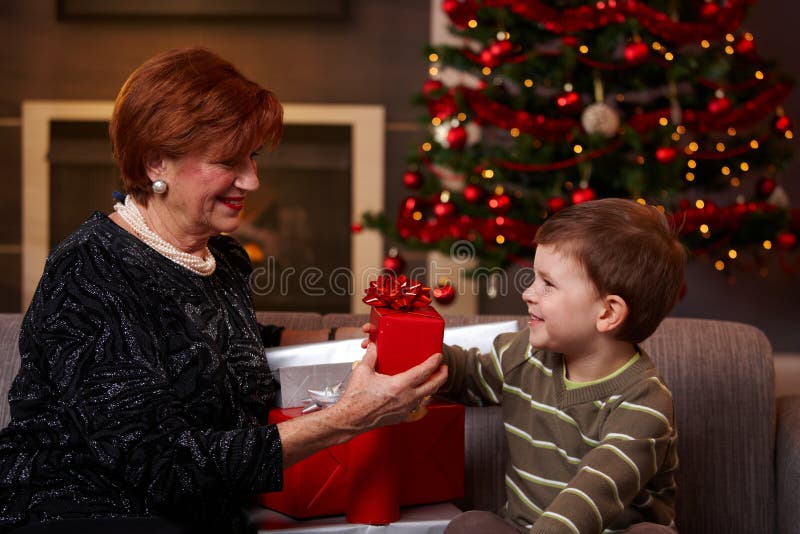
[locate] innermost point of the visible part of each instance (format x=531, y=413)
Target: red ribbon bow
x=398, y=293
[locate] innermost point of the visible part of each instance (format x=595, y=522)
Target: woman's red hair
x=188, y=101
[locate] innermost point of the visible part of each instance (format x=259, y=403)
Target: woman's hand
x=370, y=400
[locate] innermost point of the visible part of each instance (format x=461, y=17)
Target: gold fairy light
x=732, y=254
x=767, y=244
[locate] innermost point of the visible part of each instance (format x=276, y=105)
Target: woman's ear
x=615, y=311
x=154, y=165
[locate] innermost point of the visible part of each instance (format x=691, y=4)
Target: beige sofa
x=739, y=448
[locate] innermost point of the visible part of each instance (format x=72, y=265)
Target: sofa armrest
x=787, y=463
x=485, y=457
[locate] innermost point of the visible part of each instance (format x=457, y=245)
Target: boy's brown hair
x=627, y=249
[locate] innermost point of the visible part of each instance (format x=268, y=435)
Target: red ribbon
x=398, y=293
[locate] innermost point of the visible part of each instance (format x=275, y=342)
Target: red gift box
x=407, y=330
x=371, y=476
x=404, y=339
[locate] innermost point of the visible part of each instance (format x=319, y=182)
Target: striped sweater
x=592, y=459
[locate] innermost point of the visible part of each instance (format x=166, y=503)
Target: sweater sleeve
x=477, y=379
x=637, y=447
x=95, y=356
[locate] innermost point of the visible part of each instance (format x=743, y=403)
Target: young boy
x=588, y=420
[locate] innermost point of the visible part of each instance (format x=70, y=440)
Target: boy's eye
x=254, y=155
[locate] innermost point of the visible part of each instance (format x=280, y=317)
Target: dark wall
x=373, y=55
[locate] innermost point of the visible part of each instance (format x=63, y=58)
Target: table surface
x=427, y=519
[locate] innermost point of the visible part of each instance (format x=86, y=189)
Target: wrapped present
x=371, y=476
x=407, y=329
x=303, y=369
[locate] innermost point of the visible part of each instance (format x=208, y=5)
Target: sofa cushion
x=9, y=359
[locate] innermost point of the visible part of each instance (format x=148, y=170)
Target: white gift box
x=315, y=366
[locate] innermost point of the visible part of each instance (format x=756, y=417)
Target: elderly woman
x=141, y=401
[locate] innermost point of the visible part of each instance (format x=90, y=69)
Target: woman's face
x=204, y=197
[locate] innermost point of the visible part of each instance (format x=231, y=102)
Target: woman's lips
x=234, y=203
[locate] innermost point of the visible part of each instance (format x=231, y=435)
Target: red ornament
x=765, y=186
x=500, y=204
x=473, y=193
x=583, y=195
x=569, y=101
x=786, y=240
x=488, y=59
x=782, y=124
x=444, y=294
x=460, y=11
x=356, y=228
x=555, y=204
x=665, y=154
x=431, y=86
x=394, y=262
x=501, y=49
x=412, y=179
x=636, y=52
x=745, y=47
x=444, y=210
x=457, y=137
x=709, y=10
x=410, y=205
x=719, y=105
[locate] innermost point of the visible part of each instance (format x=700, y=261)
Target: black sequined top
x=143, y=389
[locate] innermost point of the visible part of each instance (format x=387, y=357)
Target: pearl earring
x=159, y=187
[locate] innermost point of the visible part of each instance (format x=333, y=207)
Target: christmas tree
x=557, y=102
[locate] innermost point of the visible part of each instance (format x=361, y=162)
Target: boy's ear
x=615, y=311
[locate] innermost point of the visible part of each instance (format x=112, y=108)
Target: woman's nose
x=247, y=177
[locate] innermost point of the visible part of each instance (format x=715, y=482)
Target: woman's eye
x=254, y=155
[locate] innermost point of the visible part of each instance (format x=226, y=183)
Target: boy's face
x=563, y=304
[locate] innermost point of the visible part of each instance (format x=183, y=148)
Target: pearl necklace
x=130, y=214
